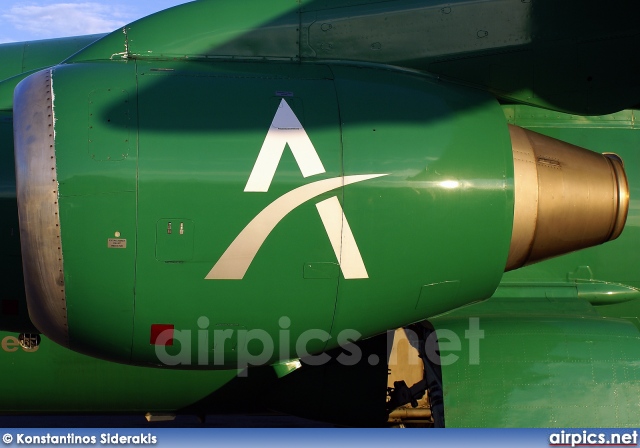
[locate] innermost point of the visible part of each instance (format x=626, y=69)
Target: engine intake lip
x=38, y=208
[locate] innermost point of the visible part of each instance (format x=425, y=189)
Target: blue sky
x=22, y=20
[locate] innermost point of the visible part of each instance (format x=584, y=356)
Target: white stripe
x=235, y=261
x=342, y=240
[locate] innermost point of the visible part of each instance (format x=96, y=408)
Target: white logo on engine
x=285, y=130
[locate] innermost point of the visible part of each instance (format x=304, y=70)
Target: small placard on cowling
x=117, y=243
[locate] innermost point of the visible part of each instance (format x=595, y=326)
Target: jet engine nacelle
x=218, y=215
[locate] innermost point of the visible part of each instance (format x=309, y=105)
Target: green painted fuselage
x=561, y=337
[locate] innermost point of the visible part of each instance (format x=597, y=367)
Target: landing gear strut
x=422, y=337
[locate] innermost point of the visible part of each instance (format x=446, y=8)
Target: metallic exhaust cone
x=566, y=198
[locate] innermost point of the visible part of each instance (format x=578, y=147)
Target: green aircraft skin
x=574, y=56
x=121, y=183
x=22, y=59
x=561, y=337
x=153, y=128
x=27, y=57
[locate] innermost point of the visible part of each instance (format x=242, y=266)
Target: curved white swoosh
x=235, y=261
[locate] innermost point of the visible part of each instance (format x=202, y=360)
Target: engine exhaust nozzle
x=566, y=198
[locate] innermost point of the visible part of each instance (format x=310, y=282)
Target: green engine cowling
x=219, y=215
